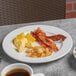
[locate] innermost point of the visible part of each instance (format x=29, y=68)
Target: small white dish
x=20, y=66
x=74, y=52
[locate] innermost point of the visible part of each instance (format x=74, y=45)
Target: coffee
x=18, y=72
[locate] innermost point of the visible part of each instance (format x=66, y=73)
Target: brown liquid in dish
x=18, y=72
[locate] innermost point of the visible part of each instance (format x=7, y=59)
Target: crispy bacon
x=43, y=40
x=47, y=41
x=57, y=37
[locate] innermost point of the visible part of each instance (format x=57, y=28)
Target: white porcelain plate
x=64, y=47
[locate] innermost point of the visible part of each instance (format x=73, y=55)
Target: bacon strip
x=43, y=40
x=57, y=37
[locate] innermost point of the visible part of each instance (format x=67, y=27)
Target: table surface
x=65, y=66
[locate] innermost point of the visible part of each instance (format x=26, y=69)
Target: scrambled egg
x=20, y=42
x=23, y=41
x=30, y=38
